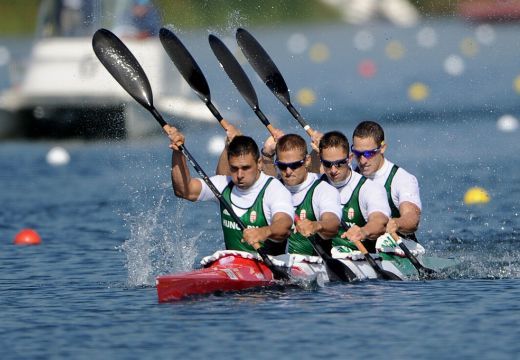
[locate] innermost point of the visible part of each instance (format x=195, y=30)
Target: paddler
x=364, y=205
x=316, y=203
x=261, y=201
x=402, y=188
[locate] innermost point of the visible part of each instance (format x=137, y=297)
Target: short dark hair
x=370, y=129
x=243, y=145
x=291, y=142
x=334, y=139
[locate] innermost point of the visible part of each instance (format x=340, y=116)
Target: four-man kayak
x=236, y=270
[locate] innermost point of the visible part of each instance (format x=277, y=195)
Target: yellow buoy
x=418, y=91
x=306, y=97
x=476, y=195
x=469, y=47
x=395, y=50
x=319, y=53
x=516, y=84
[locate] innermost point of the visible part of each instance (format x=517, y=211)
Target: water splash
x=157, y=244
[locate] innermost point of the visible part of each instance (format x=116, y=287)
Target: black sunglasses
x=336, y=163
x=292, y=165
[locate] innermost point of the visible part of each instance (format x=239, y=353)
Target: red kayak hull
x=230, y=273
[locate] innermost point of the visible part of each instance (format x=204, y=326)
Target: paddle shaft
x=126, y=70
x=275, y=269
x=300, y=119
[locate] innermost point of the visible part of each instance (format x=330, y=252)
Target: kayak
x=226, y=271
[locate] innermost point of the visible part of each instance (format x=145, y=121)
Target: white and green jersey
x=403, y=185
x=311, y=199
x=257, y=204
x=372, y=196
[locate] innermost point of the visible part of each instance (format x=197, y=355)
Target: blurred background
x=424, y=58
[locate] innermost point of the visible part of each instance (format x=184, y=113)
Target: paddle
x=244, y=86
x=338, y=268
x=422, y=270
x=238, y=76
x=387, y=275
x=189, y=70
x=268, y=72
x=127, y=71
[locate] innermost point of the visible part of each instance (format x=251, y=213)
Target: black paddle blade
x=185, y=63
x=123, y=66
x=423, y=271
x=279, y=272
x=233, y=69
x=263, y=65
x=341, y=270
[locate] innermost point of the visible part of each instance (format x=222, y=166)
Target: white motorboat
x=66, y=92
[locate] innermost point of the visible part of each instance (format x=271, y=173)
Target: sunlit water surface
x=110, y=224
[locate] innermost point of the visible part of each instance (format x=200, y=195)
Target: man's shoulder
x=403, y=176
x=274, y=184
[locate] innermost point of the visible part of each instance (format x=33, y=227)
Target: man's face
x=368, y=165
x=292, y=165
x=335, y=173
x=245, y=170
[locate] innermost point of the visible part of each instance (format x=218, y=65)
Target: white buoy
x=427, y=37
x=485, y=34
x=454, y=65
x=364, y=40
x=58, y=156
x=216, y=144
x=297, y=43
x=507, y=123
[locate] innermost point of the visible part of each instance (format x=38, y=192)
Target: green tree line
x=18, y=17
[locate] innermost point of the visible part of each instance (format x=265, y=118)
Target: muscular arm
x=223, y=165
x=327, y=227
x=376, y=225
x=184, y=186
x=231, y=132
x=279, y=230
x=408, y=222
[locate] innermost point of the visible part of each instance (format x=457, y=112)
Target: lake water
x=110, y=223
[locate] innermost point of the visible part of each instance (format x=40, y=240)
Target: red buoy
x=27, y=237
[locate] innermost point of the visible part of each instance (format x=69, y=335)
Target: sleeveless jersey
x=299, y=244
x=393, y=207
x=254, y=217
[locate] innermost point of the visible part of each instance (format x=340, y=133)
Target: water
x=110, y=224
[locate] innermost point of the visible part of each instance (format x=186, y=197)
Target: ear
x=350, y=158
x=383, y=148
x=260, y=164
x=308, y=161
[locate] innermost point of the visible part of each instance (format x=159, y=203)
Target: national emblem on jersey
x=303, y=214
x=252, y=217
x=351, y=213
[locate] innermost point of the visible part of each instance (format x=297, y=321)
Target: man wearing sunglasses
x=365, y=208
x=368, y=147
x=263, y=204
x=316, y=203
